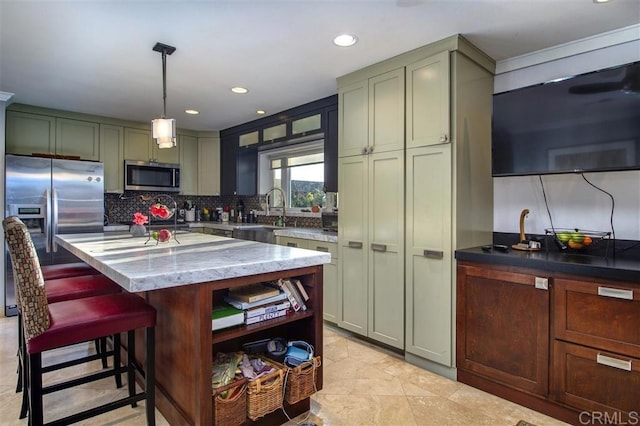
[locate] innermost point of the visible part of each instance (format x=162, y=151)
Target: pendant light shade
x=164, y=129
x=164, y=132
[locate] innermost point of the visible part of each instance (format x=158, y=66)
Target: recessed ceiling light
x=600, y=1
x=239, y=90
x=345, y=40
x=192, y=111
x=260, y=112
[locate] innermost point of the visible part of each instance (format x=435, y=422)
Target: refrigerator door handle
x=47, y=221
x=54, y=219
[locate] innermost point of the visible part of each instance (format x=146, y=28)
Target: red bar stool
x=66, y=270
x=50, y=326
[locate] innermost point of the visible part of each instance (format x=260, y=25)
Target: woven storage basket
x=264, y=394
x=300, y=381
x=230, y=411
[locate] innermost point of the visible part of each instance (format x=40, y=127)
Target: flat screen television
x=585, y=123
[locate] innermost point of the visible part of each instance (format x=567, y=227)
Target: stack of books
x=224, y=316
x=295, y=292
x=258, y=302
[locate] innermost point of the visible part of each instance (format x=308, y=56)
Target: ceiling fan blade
x=587, y=89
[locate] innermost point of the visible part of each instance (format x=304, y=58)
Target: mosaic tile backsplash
x=119, y=208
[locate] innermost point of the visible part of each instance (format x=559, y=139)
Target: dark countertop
x=621, y=267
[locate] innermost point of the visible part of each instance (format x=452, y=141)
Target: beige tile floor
x=363, y=385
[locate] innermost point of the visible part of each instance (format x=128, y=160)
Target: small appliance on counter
x=330, y=221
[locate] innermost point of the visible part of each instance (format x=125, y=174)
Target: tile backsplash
x=121, y=207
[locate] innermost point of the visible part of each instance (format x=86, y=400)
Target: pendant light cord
x=164, y=82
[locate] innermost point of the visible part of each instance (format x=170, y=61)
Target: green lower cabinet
x=330, y=272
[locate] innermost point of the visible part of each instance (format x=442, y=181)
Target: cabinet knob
x=444, y=138
x=365, y=150
x=371, y=149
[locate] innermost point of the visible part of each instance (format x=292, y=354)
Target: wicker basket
x=300, y=381
x=230, y=411
x=264, y=394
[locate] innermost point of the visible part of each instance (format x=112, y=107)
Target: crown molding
x=576, y=47
x=5, y=96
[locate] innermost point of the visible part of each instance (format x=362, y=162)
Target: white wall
x=573, y=203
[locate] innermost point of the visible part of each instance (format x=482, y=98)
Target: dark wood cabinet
x=571, y=352
x=228, y=164
x=503, y=327
x=247, y=171
x=238, y=169
x=596, y=349
x=331, y=151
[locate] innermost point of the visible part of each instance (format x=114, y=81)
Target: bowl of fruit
x=577, y=239
x=161, y=211
x=161, y=236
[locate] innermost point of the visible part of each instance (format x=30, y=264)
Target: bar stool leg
x=34, y=389
x=131, y=357
x=116, y=358
x=150, y=376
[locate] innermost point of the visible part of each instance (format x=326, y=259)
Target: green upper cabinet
x=428, y=101
x=209, y=165
x=353, y=104
x=372, y=115
x=78, y=138
x=139, y=145
x=112, y=156
x=188, y=146
x=29, y=134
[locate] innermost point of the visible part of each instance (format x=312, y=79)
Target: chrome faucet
x=284, y=211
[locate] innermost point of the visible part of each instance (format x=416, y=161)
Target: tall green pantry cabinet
x=415, y=185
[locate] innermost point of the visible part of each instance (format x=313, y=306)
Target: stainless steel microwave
x=145, y=176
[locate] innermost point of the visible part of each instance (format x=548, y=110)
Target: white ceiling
x=96, y=56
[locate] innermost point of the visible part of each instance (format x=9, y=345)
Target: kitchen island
x=183, y=281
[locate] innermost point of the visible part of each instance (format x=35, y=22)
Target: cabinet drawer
x=324, y=247
x=292, y=242
x=596, y=381
x=602, y=315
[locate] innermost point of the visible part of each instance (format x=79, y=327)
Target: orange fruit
x=587, y=240
x=575, y=245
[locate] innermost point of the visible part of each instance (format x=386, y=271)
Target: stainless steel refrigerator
x=51, y=196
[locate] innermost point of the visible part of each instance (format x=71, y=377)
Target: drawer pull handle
x=292, y=244
x=433, y=254
x=355, y=244
x=321, y=248
x=613, y=362
x=615, y=292
x=379, y=247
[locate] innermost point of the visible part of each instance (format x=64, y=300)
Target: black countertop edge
x=623, y=269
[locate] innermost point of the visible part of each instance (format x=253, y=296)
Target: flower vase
x=137, y=230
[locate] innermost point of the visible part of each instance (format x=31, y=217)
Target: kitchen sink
x=263, y=234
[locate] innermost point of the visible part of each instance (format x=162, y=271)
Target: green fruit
x=564, y=237
x=577, y=237
x=154, y=235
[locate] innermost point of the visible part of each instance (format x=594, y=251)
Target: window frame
x=265, y=158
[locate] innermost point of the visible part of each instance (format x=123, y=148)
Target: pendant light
x=164, y=129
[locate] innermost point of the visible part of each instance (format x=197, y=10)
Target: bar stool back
x=48, y=326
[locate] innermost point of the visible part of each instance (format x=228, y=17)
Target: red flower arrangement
x=140, y=219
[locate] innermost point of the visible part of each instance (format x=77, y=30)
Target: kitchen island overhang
x=183, y=282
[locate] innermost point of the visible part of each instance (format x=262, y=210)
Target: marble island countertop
x=197, y=258
x=305, y=233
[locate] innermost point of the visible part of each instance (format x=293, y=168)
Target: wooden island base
x=185, y=344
